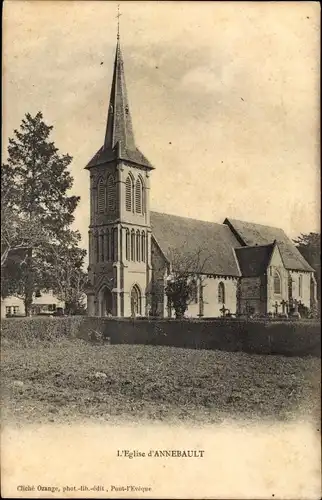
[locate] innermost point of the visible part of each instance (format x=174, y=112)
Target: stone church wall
x=251, y=295
x=159, y=271
x=301, y=292
x=134, y=273
x=276, y=264
x=211, y=305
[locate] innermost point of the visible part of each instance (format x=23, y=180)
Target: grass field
x=72, y=380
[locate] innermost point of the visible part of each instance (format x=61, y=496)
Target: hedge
x=27, y=331
x=297, y=338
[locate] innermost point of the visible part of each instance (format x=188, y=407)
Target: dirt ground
x=73, y=380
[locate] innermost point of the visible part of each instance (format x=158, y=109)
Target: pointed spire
x=119, y=123
x=119, y=140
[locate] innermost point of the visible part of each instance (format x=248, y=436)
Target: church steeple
x=119, y=123
x=119, y=142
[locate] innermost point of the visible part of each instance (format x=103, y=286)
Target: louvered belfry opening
x=138, y=196
x=111, y=194
x=128, y=194
x=101, y=196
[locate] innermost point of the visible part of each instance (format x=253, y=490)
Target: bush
x=28, y=331
x=291, y=338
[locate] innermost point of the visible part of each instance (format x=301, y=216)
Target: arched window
x=105, y=299
x=194, y=291
x=127, y=244
x=107, y=245
x=101, y=196
x=139, y=196
x=128, y=193
x=277, y=283
x=290, y=287
x=114, y=244
x=135, y=301
x=138, y=246
x=111, y=193
x=97, y=252
x=300, y=286
x=132, y=245
x=143, y=246
x=102, y=247
x=221, y=293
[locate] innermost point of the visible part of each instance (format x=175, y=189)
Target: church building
x=238, y=266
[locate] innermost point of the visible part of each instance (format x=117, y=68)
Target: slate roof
x=119, y=140
x=189, y=237
x=253, y=261
x=119, y=152
x=250, y=234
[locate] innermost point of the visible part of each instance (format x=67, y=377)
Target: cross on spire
x=118, y=15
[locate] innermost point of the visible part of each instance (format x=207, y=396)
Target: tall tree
x=41, y=180
x=17, y=231
x=310, y=247
x=64, y=272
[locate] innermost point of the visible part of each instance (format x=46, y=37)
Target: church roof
x=208, y=246
x=250, y=234
x=119, y=143
x=253, y=261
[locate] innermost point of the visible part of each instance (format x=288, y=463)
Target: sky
x=224, y=99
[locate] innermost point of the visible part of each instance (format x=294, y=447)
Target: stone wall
x=301, y=291
x=276, y=264
x=252, y=295
x=159, y=272
x=212, y=305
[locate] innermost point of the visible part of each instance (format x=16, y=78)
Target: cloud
x=202, y=78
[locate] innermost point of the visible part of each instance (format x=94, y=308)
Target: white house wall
x=45, y=299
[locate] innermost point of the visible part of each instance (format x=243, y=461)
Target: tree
x=185, y=279
x=17, y=231
x=38, y=199
x=64, y=273
x=310, y=247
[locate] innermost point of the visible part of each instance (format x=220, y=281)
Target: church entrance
x=135, y=301
x=106, y=302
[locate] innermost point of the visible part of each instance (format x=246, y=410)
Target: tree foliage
x=179, y=290
x=38, y=211
x=185, y=279
x=17, y=230
x=64, y=275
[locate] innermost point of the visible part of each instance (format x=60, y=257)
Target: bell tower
x=119, y=231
